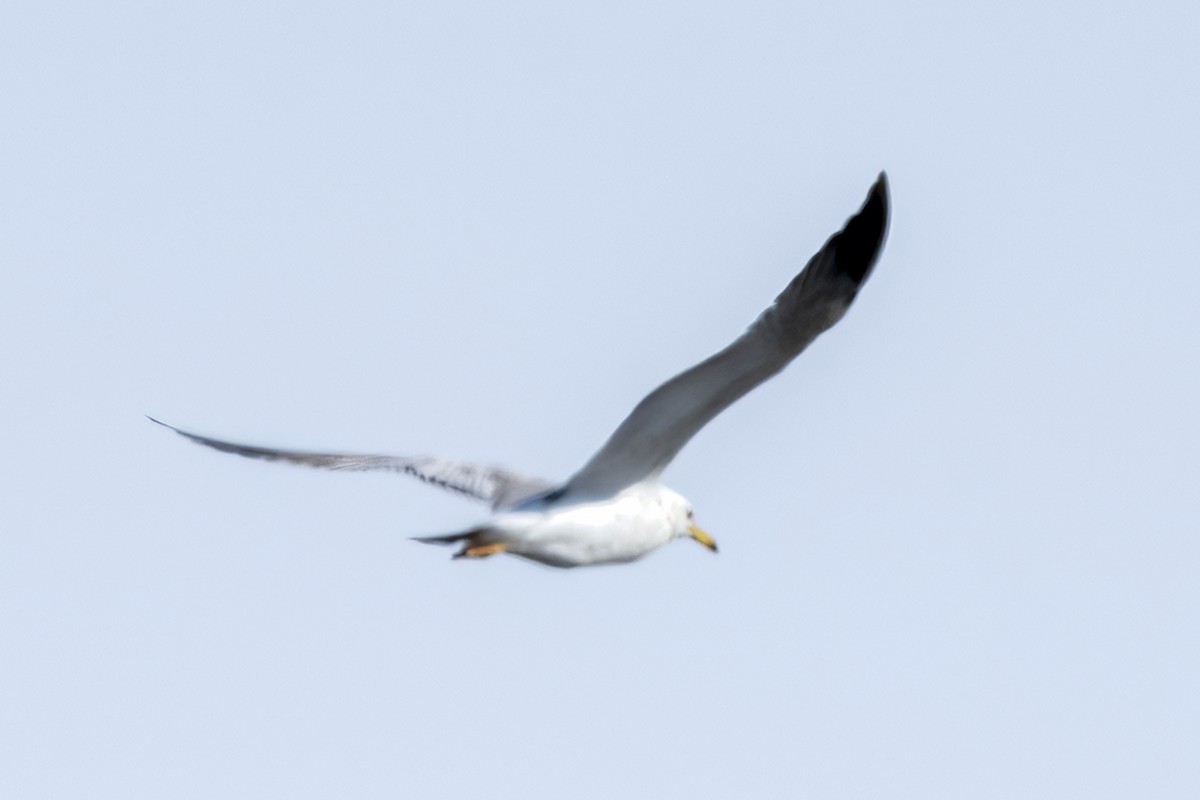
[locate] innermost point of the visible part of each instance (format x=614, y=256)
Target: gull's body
x=614, y=509
x=567, y=533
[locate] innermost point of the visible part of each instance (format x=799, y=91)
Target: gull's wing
x=498, y=487
x=668, y=417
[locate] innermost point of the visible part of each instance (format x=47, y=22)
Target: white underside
x=615, y=530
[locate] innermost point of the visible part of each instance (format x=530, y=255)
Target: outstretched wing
x=658, y=428
x=498, y=487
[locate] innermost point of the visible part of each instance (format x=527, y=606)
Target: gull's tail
x=475, y=543
x=448, y=538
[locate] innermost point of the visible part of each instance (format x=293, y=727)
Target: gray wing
x=658, y=428
x=498, y=487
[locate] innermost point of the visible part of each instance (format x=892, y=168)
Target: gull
x=614, y=509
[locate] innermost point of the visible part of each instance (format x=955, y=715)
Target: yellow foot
x=481, y=550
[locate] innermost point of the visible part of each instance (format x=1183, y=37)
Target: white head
x=683, y=518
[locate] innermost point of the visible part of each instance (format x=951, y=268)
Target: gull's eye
x=691, y=514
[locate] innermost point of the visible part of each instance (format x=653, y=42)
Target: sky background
x=960, y=535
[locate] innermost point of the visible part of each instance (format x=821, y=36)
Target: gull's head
x=683, y=519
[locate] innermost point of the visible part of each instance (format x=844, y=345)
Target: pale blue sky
x=960, y=536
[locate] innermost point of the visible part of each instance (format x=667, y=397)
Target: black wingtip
x=861, y=240
x=170, y=427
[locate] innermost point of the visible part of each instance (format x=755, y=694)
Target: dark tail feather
x=448, y=539
x=473, y=545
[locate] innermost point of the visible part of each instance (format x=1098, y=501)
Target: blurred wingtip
x=878, y=198
x=861, y=240
x=166, y=425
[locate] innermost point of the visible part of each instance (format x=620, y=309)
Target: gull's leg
x=481, y=550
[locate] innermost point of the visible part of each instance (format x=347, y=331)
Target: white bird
x=614, y=509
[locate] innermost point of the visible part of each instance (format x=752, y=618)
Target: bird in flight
x=614, y=509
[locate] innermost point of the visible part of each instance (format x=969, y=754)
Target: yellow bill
x=702, y=537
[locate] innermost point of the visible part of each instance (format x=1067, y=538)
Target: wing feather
x=662, y=423
x=499, y=487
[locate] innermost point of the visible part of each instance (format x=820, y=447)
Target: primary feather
x=496, y=486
